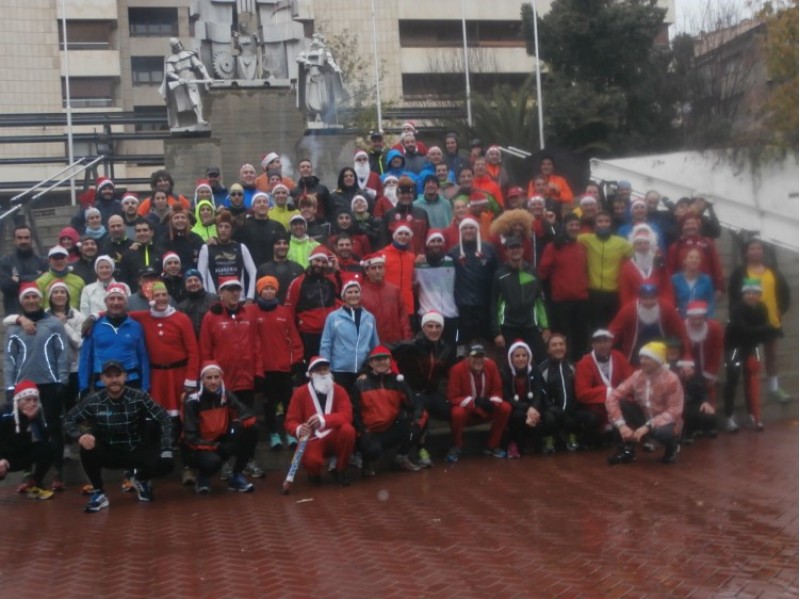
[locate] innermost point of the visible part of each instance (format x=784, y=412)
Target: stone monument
x=184, y=73
x=319, y=87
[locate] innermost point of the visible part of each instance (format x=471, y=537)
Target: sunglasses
x=236, y=193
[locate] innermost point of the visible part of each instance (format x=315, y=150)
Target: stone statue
x=319, y=85
x=248, y=62
x=183, y=75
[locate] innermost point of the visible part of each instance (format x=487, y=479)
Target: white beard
x=697, y=335
x=644, y=262
x=362, y=173
x=322, y=383
x=648, y=315
x=390, y=191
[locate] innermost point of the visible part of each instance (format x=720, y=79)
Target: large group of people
x=425, y=285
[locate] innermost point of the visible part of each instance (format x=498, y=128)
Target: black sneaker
x=625, y=455
x=671, y=453
x=341, y=478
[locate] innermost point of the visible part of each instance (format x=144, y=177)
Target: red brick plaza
x=721, y=523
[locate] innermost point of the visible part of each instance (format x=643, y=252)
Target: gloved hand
x=484, y=404
x=88, y=326
x=166, y=462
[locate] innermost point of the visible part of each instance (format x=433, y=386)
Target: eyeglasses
x=236, y=193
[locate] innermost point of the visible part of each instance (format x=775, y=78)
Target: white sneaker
x=756, y=424
x=730, y=425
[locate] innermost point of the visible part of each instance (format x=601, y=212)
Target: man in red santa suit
x=705, y=343
x=596, y=375
x=369, y=183
x=321, y=412
x=646, y=319
x=645, y=266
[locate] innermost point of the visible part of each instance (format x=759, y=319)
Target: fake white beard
x=390, y=191
x=322, y=383
x=362, y=173
x=648, y=315
x=697, y=335
x=643, y=261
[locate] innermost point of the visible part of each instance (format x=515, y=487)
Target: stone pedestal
x=247, y=123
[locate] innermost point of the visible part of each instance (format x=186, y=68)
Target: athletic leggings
x=750, y=367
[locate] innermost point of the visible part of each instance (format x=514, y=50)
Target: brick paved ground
x=721, y=523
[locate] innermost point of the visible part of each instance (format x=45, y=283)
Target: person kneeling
x=24, y=439
x=112, y=429
x=384, y=413
x=217, y=426
x=649, y=403
x=321, y=412
x=475, y=392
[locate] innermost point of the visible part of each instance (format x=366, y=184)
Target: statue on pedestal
x=183, y=75
x=248, y=62
x=319, y=85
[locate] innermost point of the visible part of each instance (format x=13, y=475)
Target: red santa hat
x=170, y=256
x=380, y=351
x=260, y=194
x=520, y=344
x=348, y=285
x=697, y=308
x=101, y=182
x=117, y=289
x=535, y=200
x=29, y=287
x=319, y=253
x=22, y=390
x=358, y=198
x=57, y=284
x=315, y=362
x=389, y=179
x=410, y=125
x=476, y=198
x=267, y=158
x=360, y=153
x=202, y=183
x=405, y=228
x=373, y=259
x=210, y=365
x=636, y=201
x=432, y=316
x=130, y=197
x=229, y=282
x=434, y=234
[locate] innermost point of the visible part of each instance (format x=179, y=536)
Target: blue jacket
x=397, y=172
x=703, y=290
x=125, y=344
x=345, y=346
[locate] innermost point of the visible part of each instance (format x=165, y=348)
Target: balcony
x=92, y=63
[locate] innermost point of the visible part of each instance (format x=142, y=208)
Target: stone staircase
x=49, y=220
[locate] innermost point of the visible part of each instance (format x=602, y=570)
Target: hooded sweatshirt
x=205, y=232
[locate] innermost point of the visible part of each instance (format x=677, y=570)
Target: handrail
x=17, y=197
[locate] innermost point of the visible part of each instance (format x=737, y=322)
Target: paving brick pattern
x=721, y=523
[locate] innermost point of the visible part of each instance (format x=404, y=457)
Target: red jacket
x=490, y=186
x=233, y=342
x=710, y=262
x=302, y=406
x=400, y=272
x=565, y=266
x=463, y=383
x=625, y=327
x=310, y=300
x=631, y=279
x=378, y=401
x=590, y=388
x=707, y=352
x=386, y=304
x=281, y=346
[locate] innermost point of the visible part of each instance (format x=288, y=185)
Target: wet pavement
x=723, y=522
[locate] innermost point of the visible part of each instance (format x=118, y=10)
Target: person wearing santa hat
x=596, y=375
x=57, y=259
x=172, y=276
x=415, y=160
x=691, y=237
x=282, y=211
x=19, y=266
x=350, y=333
x=384, y=301
x=699, y=411
x=84, y=265
x=179, y=238
x=385, y=414
x=93, y=295
x=282, y=355
x=369, y=183
x=645, y=266
x=399, y=265
x=301, y=244
x=523, y=388
x=227, y=258
x=639, y=219
x=435, y=280
x=322, y=413
x=217, y=426
x=203, y=191
x=475, y=264
x=706, y=344
x=311, y=297
x=103, y=197
x=692, y=285
x=482, y=181
x=588, y=207
x=434, y=158
x=25, y=440
x=648, y=405
x=310, y=185
x=229, y=336
x=406, y=214
x=271, y=165
x=475, y=391
x=410, y=127
x=130, y=213
x=39, y=352
x=346, y=265
x=647, y=318
x=494, y=167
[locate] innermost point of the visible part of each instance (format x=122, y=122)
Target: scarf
x=95, y=233
x=161, y=313
x=328, y=406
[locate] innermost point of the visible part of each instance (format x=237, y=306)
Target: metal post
x=70, y=151
x=538, y=76
x=466, y=64
x=377, y=69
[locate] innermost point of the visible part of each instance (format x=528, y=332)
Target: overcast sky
x=689, y=14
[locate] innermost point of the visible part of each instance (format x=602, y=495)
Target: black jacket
x=474, y=274
x=195, y=307
x=27, y=266
x=258, y=235
x=424, y=363
x=748, y=326
x=517, y=299
x=559, y=384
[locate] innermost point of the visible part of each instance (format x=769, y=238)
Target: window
x=86, y=35
x=153, y=22
x=89, y=92
x=449, y=34
x=453, y=84
x=147, y=70
x=151, y=118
